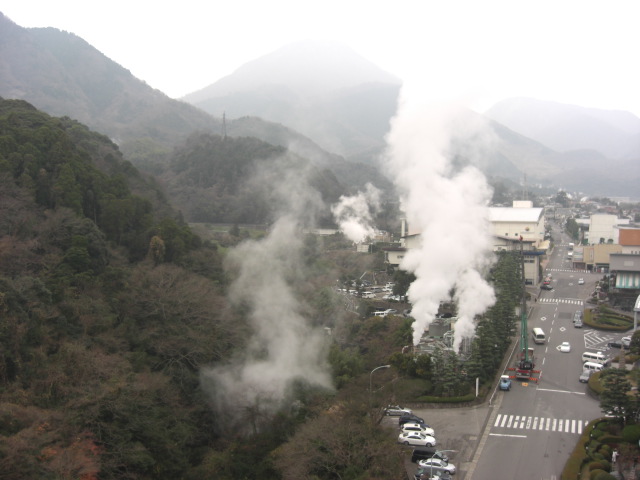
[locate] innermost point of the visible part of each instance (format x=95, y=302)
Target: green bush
x=572, y=467
x=593, y=446
x=606, y=464
x=595, y=384
x=604, y=476
x=574, y=464
x=470, y=397
x=631, y=434
x=611, y=439
x=596, y=466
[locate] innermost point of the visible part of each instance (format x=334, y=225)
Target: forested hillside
x=95, y=381
x=230, y=180
x=110, y=307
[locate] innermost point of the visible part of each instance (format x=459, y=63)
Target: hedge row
x=607, y=319
x=470, y=397
x=573, y=467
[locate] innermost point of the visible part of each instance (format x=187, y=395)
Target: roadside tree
x=614, y=399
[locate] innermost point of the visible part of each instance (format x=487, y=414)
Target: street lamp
x=371, y=380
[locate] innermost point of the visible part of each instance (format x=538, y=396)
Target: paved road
x=490, y=427
x=539, y=423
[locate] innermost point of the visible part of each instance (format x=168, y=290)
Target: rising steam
x=284, y=348
x=448, y=208
x=354, y=214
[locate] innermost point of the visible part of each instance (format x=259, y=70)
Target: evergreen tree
x=614, y=399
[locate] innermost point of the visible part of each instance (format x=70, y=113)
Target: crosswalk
x=572, y=301
x=597, y=339
x=523, y=422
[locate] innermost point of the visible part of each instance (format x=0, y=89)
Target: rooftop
x=505, y=214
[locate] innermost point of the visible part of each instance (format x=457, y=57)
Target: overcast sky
x=579, y=52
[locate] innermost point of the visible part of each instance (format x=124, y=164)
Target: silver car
x=585, y=376
x=437, y=465
x=396, y=410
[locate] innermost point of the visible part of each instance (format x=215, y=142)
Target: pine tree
x=614, y=399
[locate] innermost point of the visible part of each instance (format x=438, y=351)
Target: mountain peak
x=308, y=67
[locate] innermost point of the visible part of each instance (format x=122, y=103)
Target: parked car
x=505, y=383
x=565, y=347
x=437, y=465
x=626, y=342
x=410, y=418
x=418, y=427
x=425, y=474
x=396, y=410
x=421, y=453
x=585, y=376
x=581, y=281
x=417, y=438
x=428, y=474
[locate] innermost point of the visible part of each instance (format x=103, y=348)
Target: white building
x=521, y=224
x=508, y=226
x=515, y=222
x=602, y=228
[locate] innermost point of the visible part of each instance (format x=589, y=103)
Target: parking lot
x=458, y=429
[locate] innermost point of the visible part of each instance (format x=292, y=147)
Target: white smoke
x=284, y=348
x=354, y=214
x=447, y=207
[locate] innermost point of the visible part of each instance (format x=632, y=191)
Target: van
x=594, y=367
x=538, y=335
x=595, y=357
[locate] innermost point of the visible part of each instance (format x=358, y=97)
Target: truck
x=525, y=365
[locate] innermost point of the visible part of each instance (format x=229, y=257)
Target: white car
x=565, y=347
x=416, y=427
x=417, y=438
x=438, y=465
x=581, y=281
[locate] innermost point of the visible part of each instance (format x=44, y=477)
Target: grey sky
x=579, y=52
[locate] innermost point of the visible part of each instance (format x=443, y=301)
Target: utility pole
x=224, y=125
x=524, y=329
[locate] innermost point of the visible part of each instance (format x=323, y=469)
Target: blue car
x=505, y=383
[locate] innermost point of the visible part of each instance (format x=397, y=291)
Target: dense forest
x=114, y=313
x=111, y=306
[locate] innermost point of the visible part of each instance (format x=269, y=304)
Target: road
x=536, y=425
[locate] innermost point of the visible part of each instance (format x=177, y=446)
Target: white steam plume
x=354, y=214
x=284, y=348
x=448, y=208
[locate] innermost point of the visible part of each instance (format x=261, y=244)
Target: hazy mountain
x=615, y=134
x=316, y=100
x=325, y=91
x=62, y=74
